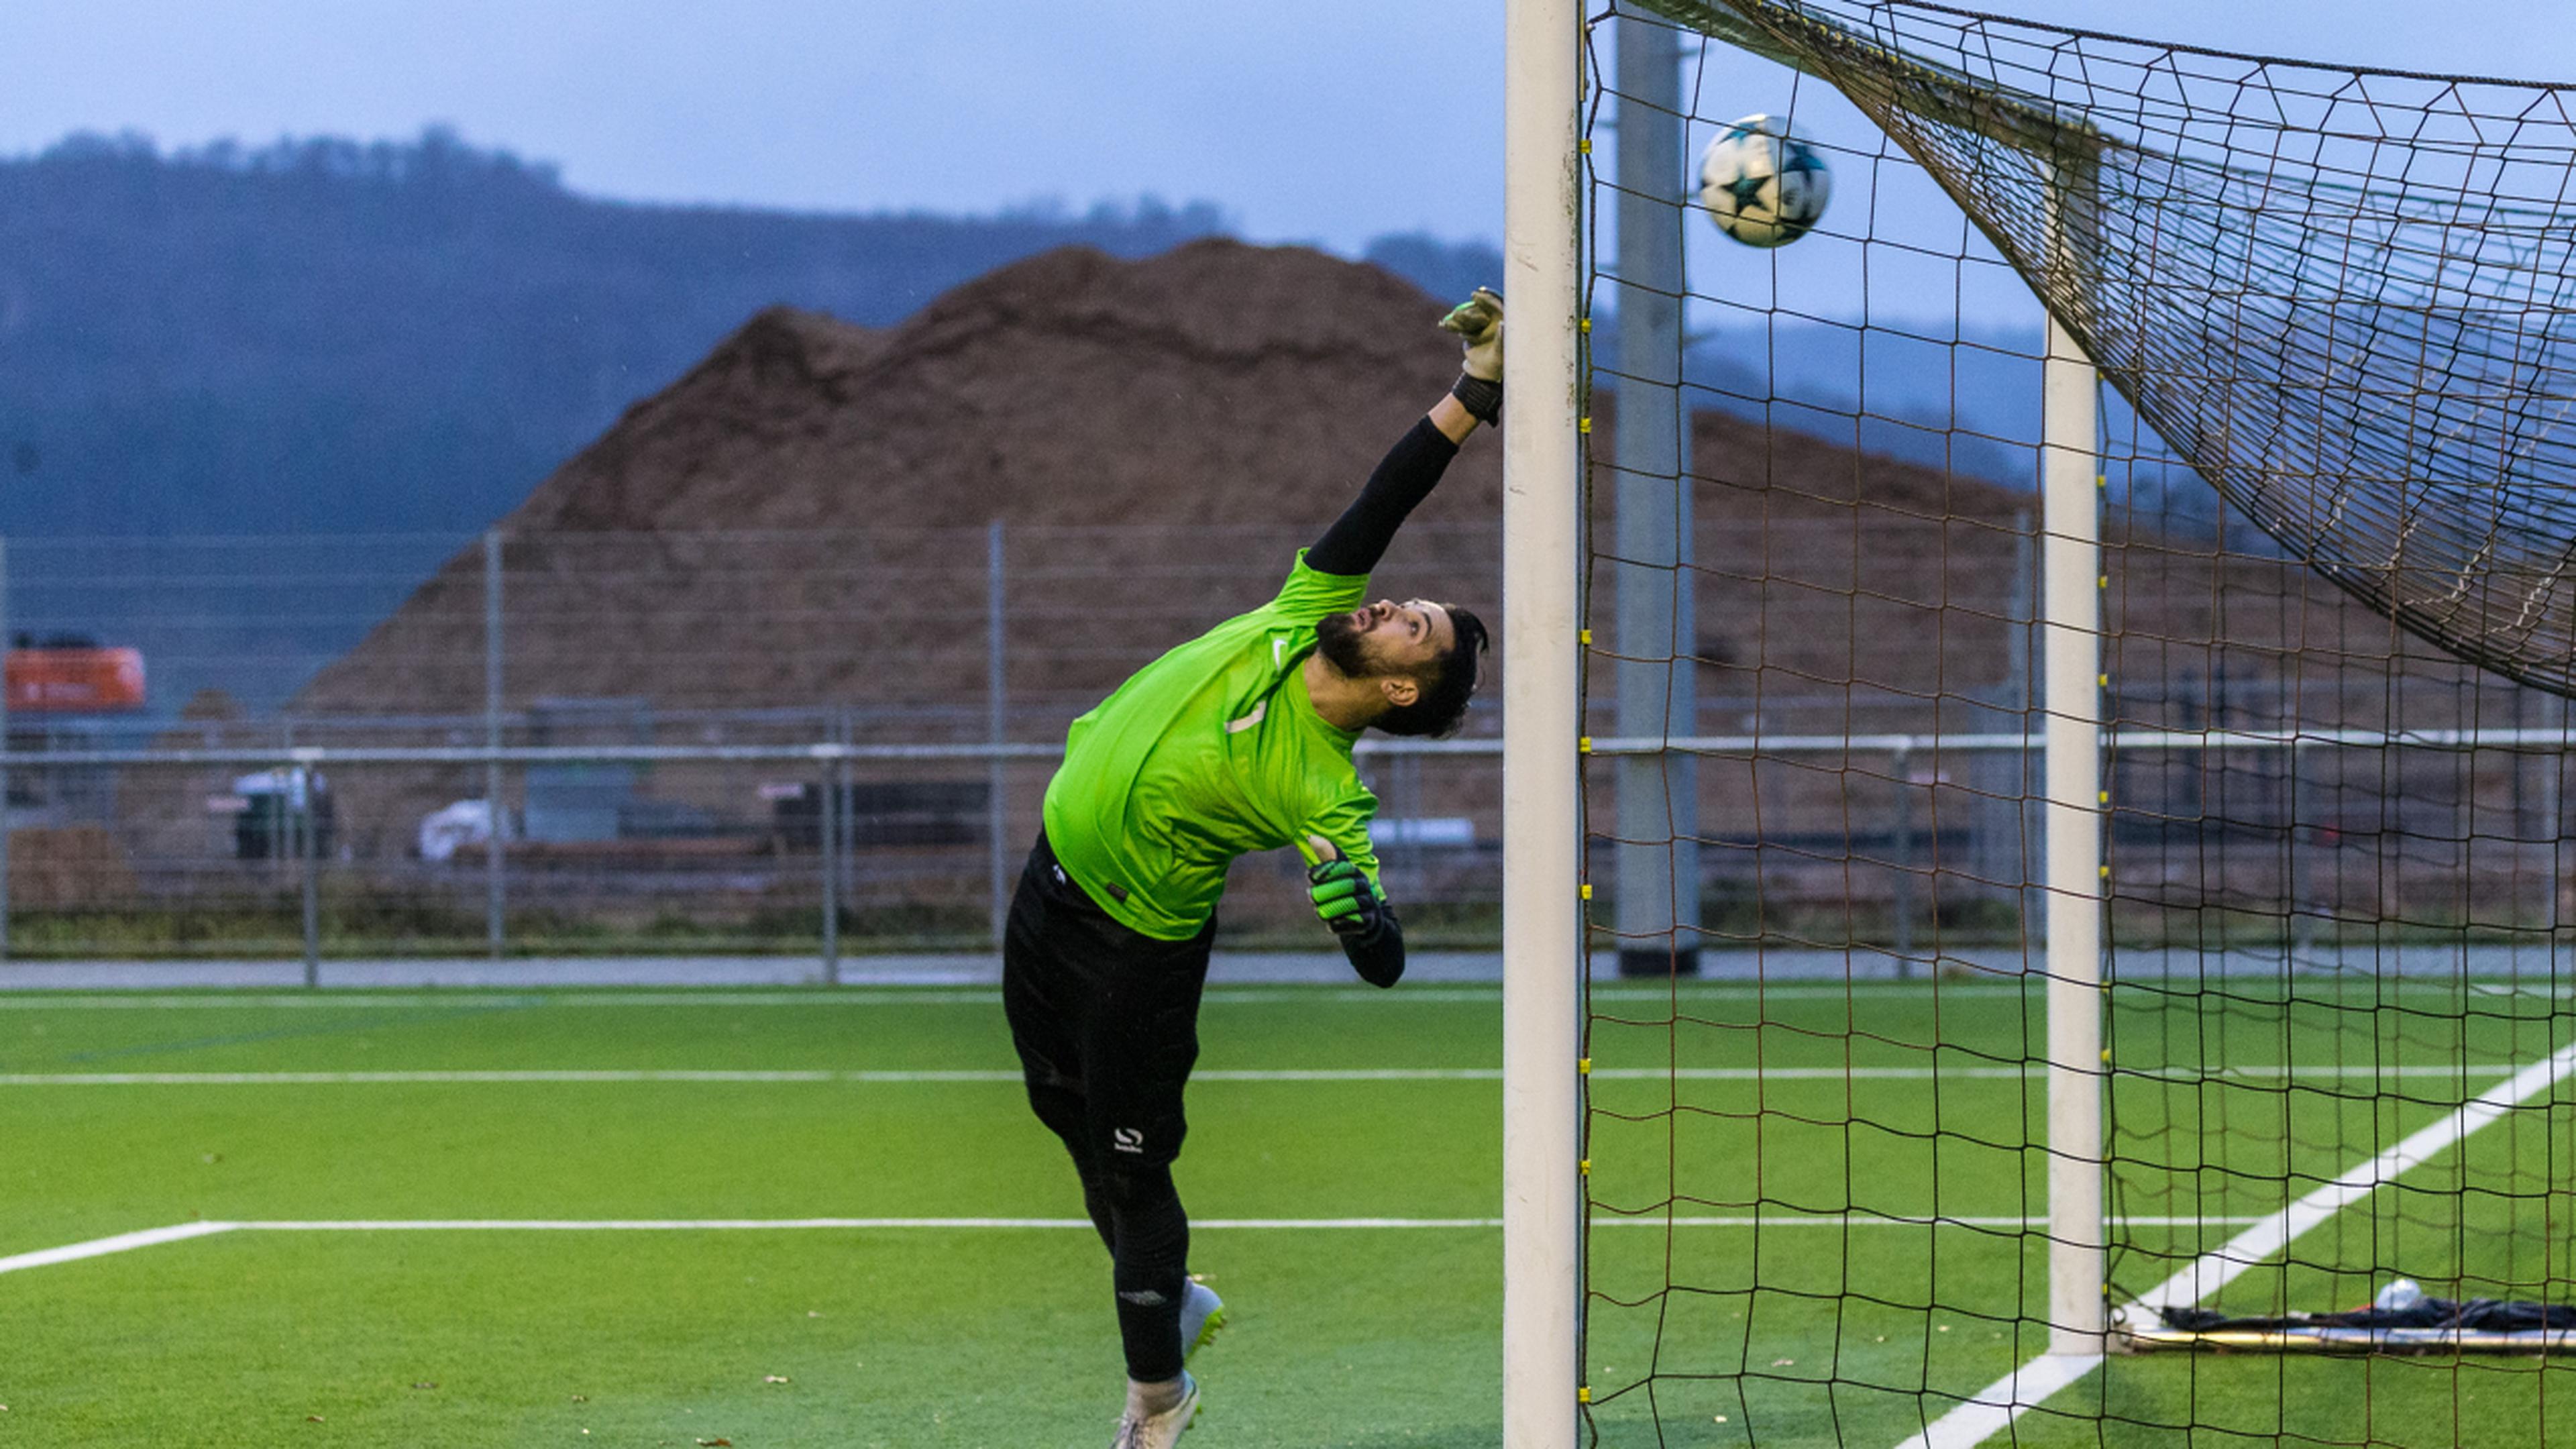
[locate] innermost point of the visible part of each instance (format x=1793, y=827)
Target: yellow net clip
x=2106, y=872
x=1583, y=1395
x=1583, y=425
x=1586, y=1166
x=1583, y=744
x=1583, y=1065
x=1587, y=890
x=1583, y=636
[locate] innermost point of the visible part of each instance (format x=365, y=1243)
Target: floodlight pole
x=1658, y=853
x=2071, y=643
x=1543, y=957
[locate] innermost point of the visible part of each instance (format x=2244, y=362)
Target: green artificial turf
x=1822, y=1324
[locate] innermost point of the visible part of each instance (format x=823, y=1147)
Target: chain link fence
x=837, y=743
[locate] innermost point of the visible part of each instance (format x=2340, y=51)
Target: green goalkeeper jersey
x=1210, y=752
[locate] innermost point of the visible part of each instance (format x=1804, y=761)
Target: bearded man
x=1237, y=741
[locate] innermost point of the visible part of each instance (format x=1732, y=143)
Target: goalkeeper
x=1237, y=741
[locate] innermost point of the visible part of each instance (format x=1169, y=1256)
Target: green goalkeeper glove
x=1343, y=898
x=1342, y=894
x=1479, y=321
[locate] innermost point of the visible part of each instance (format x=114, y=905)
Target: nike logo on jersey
x=1236, y=727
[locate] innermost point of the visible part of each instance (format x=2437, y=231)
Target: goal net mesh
x=2331, y=314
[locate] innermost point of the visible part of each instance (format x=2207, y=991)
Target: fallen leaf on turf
x=313, y=1418
x=424, y=1385
x=716, y=1441
x=1782, y=1362
x=813, y=1312
x=581, y=1398
x=775, y=1379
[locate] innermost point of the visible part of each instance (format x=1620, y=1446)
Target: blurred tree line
x=326, y=336
x=323, y=337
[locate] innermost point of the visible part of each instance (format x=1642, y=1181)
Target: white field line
x=359, y=999
x=872, y=995
x=590, y=1225
x=101, y=1247
x=2214, y=1270
x=149, y=1237
x=2006, y=1400
x=2229, y=1075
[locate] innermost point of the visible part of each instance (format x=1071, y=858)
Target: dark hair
x=1441, y=707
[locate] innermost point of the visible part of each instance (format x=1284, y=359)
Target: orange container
x=74, y=681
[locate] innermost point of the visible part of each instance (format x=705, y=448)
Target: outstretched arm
x=1412, y=468
x=1404, y=477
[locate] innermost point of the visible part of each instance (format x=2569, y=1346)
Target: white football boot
x=1163, y=1430
x=1202, y=1314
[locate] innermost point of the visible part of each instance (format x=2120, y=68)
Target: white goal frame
x=1542, y=725
x=1544, y=954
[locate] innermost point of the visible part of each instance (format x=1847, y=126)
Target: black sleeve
x=1403, y=478
x=1379, y=955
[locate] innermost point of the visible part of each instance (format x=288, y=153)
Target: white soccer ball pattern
x=1763, y=186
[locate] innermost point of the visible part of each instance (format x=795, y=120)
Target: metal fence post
x=308, y=853
x=1901, y=853
x=835, y=785
x=496, y=816
x=996, y=727
x=5, y=901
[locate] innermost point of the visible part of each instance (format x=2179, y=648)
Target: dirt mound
x=1107, y=413
x=800, y=519
x=1219, y=383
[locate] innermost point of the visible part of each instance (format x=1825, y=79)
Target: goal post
x=2071, y=622
x=2128, y=537
x=1543, y=949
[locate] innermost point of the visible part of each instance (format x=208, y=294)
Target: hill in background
x=234, y=362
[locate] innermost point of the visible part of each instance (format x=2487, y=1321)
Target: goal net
x=1899, y=1125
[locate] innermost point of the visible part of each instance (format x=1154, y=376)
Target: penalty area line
x=180, y=1232
x=2003, y=1402
x=2225, y=1076
x=101, y=1247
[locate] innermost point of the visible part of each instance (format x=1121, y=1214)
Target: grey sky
x=1331, y=120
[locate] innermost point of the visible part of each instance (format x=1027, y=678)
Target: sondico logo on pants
x=1127, y=1139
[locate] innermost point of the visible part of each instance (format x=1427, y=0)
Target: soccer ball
x=1763, y=186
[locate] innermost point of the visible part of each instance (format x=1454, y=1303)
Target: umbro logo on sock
x=1127, y=1139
